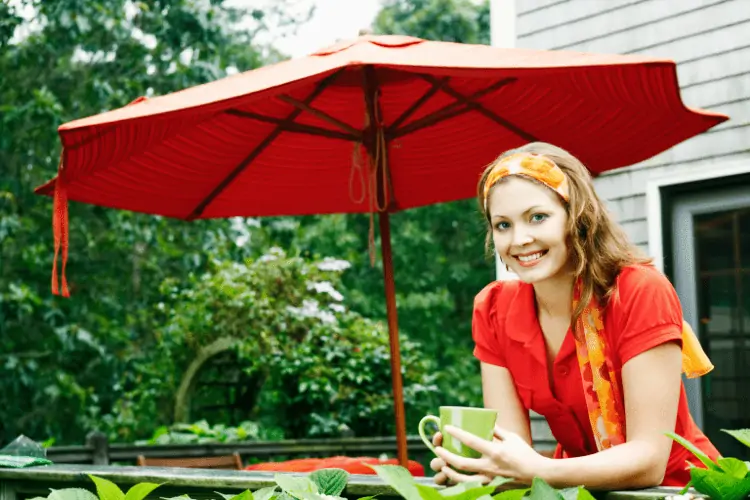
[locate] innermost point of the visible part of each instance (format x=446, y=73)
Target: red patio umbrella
x=377, y=124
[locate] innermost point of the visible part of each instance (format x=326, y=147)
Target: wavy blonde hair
x=598, y=246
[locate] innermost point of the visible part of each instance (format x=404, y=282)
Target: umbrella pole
x=390, y=304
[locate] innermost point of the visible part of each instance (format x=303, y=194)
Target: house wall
x=710, y=42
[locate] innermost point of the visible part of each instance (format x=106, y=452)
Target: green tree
x=311, y=366
x=64, y=364
x=60, y=359
x=438, y=251
x=463, y=21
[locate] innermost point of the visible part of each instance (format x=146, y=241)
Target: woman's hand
x=507, y=456
x=438, y=463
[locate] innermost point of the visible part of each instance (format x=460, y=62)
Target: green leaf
x=428, y=492
x=72, y=494
x=540, y=490
x=473, y=490
x=687, y=487
x=741, y=435
x=516, y=494
x=330, y=481
x=295, y=484
x=576, y=493
x=299, y=487
x=399, y=479
x=499, y=481
x=140, y=491
x=460, y=488
x=106, y=489
x=719, y=485
x=225, y=496
x=245, y=495
x=705, y=459
x=264, y=493
x=584, y=494
x=733, y=467
x=569, y=493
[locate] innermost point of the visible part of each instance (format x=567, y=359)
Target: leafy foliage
x=725, y=479
x=464, y=21
x=61, y=360
x=401, y=481
x=201, y=432
x=438, y=251
x=319, y=366
x=97, y=360
x=329, y=484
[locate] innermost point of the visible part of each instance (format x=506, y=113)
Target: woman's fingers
x=472, y=441
x=459, y=462
x=440, y=478
x=437, y=464
x=437, y=439
x=457, y=477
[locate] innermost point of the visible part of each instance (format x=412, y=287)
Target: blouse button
x=563, y=371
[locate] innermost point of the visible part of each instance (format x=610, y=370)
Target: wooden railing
x=98, y=451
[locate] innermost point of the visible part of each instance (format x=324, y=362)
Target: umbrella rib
x=199, y=209
x=471, y=103
x=436, y=86
x=320, y=114
x=449, y=111
x=298, y=127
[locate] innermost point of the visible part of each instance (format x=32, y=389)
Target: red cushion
x=353, y=465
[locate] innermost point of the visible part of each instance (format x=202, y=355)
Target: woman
x=591, y=337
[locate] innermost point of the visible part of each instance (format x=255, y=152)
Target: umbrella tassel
x=60, y=233
x=369, y=180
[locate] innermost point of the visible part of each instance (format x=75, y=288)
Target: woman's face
x=529, y=229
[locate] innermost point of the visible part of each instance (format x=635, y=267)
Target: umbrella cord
x=370, y=190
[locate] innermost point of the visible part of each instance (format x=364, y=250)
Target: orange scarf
x=600, y=387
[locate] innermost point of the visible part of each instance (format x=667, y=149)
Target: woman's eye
x=502, y=226
x=538, y=217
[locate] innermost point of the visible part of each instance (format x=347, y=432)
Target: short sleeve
x=484, y=326
x=647, y=309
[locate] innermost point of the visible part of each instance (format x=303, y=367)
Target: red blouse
x=643, y=313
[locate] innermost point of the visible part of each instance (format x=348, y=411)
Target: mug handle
x=428, y=418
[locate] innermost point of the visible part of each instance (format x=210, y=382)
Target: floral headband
x=531, y=165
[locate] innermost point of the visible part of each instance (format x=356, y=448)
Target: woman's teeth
x=529, y=258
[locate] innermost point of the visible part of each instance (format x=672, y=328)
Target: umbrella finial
x=365, y=32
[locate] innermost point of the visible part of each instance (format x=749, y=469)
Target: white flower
x=311, y=309
x=337, y=308
x=325, y=287
x=239, y=226
x=331, y=264
x=326, y=317
x=273, y=254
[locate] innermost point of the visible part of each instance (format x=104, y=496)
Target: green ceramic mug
x=478, y=421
